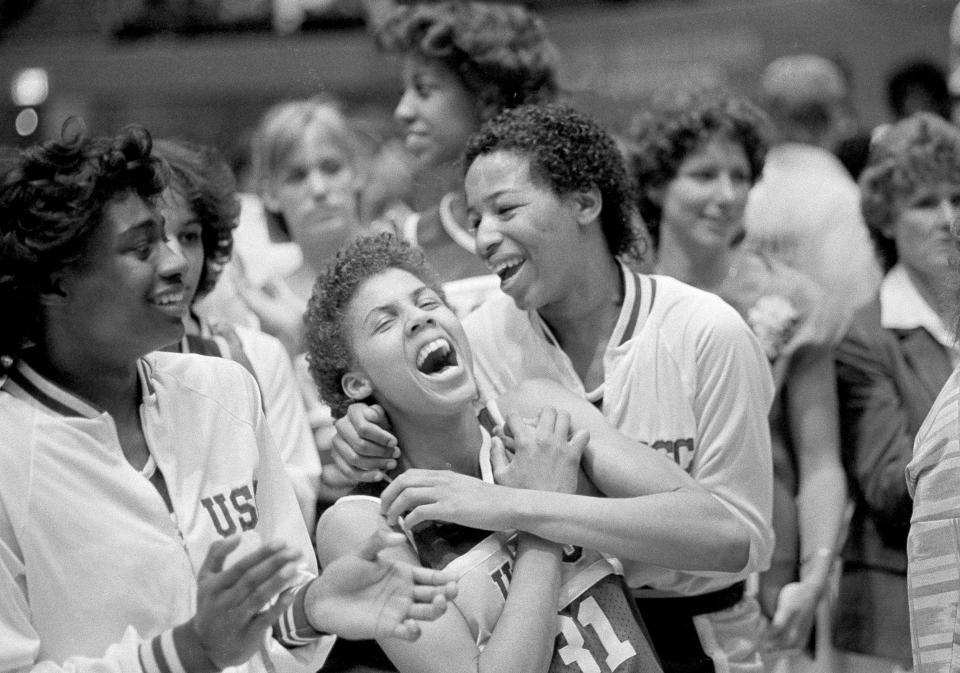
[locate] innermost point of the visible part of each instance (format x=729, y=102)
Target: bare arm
x=523, y=638
x=639, y=483
x=821, y=499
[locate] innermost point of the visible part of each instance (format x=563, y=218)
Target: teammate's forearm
x=681, y=530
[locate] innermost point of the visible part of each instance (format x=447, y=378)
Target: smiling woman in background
x=463, y=63
x=199, y=209
x=695, y=156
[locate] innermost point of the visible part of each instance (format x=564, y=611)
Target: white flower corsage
x=774, y=320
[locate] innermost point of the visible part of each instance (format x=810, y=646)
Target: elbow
x=732, y=554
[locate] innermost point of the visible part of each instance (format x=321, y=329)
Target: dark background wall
x=212, y=87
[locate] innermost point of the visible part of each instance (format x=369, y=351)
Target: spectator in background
x=695, y=155
x=805, y=210
x=953, y=78
x=199, y=208
x=891, y=365
x=918, y=86
x=309, y=169
x=463, y=63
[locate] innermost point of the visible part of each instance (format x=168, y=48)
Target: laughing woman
x=669, y=366
x=146, y=523
x=379, y=330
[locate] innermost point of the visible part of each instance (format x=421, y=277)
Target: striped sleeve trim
x=175, y=651
x=293, y=629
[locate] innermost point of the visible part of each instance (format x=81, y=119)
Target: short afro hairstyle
x=919, y=151
x=500, y=52
x=51, y=202
x=329, y=350
x=204, y=179
x=676, y=124
x=569, y=152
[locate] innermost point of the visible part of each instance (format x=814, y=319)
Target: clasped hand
x=543, y=457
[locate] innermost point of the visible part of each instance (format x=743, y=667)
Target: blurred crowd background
x=206, y=70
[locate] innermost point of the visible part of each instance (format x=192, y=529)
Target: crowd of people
x=539, y=396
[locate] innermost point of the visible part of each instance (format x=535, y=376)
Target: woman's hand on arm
x=363, y=448
x=544, y=457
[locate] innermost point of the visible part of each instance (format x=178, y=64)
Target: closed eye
x=383, y=324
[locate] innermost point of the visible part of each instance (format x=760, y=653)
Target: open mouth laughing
x=436, y=357
x=507, y=268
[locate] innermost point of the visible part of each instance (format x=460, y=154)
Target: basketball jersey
x=599, y=630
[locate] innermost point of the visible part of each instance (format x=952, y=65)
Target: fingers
x=561, y=426
x=354, y=466
x=499, y=459
x=406, y=630
x=405, y=502
x=372, y=426
x=546, y=423
x=435, y=578
x=427, y=611
x=409, y=479
x=217, y=554
x=516, y=427
x=421, y=514
x=380, y=540
x=258, y=567
x=578, y=442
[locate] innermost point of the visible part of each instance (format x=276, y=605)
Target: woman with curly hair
x=379, y=329
x=892, y=363
x=674, y=369
x=463, y=63
x=199, y=209
x=695, y=155
x=146, y=522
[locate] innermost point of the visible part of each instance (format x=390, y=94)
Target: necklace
x=450, y=225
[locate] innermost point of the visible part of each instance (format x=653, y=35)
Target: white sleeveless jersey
x=598, y=628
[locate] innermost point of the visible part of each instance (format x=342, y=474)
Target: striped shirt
x=933, y=546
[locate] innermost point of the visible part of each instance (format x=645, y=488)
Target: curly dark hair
x=501, y=53
x=204, y=179
x=922, y=150
x=570, y=152
x=329, y=350
x=51, y=202
x=676, y=124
